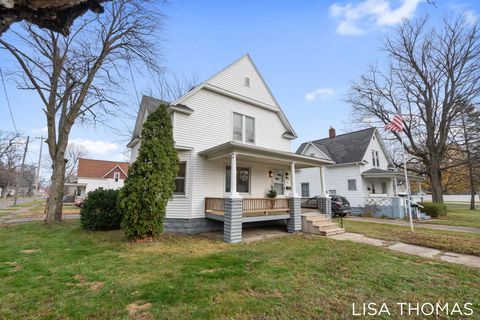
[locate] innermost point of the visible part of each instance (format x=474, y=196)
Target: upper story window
x=243, y=128
x=375, y=160
x=116, y=176
x=246, y=82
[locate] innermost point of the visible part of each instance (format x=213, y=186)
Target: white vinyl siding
x=179, y=205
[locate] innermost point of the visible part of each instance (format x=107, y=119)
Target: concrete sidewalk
x=416, y=225
x=464, y=259
x=20, y=220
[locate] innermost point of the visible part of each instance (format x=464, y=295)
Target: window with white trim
x=352, y=185
x=305, y=189
x=243, y=179
x=180, y=179
x=243, y=128
x=116, y=176
x=375, y=160
x=384, y=187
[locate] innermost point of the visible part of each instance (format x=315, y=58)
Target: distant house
x=363, y=171
x=98, y=174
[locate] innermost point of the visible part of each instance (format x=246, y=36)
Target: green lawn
x=64, y=272
x=459, y=215
x=460, y=242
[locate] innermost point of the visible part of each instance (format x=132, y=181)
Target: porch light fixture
x=286, y=175
x=270, y=173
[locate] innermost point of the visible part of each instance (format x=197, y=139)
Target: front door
x=278, y=181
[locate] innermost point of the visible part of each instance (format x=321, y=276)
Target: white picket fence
x=453, y=197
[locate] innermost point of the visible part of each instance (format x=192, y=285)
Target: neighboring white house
x=98, y=174
x=230, y=121
x=363, y=169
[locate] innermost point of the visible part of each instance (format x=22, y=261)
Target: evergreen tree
x=151, y=179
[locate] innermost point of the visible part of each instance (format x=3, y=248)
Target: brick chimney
x=331, y=132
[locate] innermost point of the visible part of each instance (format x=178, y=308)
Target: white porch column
x=233, y=175
x=395, y=185
x=322, y=179
x=293, y=187
x=419, y=187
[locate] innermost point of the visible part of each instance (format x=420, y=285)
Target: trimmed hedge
x=434, y=209
x=100, y=211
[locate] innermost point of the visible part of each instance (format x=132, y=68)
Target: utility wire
x=8, y=101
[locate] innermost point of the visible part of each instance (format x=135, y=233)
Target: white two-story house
x=363, y=170
x=233, y=141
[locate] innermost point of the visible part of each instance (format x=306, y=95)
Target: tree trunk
x=436, y=181
x=55, y=202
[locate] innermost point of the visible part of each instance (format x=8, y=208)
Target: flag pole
x=409, y=203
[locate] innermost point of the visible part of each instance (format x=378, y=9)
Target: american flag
x=396, y=124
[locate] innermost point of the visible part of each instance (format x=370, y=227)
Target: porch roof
x=262, y=154
x=380, y=173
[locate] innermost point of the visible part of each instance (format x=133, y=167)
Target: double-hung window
x=243, y=128
x=180, y=179
x=116, y=176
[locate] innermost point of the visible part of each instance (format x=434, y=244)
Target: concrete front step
x=332, y=232
x=320, y=224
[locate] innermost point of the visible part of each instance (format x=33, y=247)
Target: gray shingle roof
x=344, y=148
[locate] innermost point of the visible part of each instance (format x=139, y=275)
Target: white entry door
x=278, y=181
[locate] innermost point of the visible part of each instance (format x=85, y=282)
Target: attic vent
x=246, y=82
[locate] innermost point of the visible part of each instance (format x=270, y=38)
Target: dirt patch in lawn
x=140, y=311
x=28, y=251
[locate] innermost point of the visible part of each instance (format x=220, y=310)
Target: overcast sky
x=309, y=52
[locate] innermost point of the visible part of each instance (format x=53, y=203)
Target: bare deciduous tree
x=73, y=153
x=10, y=154
x=433, y=73
x=77, y=76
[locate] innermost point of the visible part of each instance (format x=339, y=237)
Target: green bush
x=434, y=209
x=100, y=211
x=151, y=179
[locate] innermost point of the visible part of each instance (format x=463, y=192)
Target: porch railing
x=214, y=204
x=264, y=204
x=249, y=205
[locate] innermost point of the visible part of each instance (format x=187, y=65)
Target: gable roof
x=272, y=104
x=90, y=168
x=344, y=148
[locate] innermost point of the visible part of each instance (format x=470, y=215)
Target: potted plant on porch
x=272, y=194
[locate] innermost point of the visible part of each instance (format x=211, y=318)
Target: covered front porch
x=387, y=192
x=250, y=172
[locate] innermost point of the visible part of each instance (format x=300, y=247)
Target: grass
x=30, y=203
x=459, y=215
x=39, y=211
x=460, y=242
x=64, y=272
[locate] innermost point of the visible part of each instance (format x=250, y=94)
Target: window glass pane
x=243, y=180
x=237, y=127
x=180, y=179
x=243, y=177
x=249, y=129
x=352, y=185
x=305, y=190
x=179, y=186
x=181, y=169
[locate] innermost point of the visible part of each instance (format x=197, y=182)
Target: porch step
x=320, y=224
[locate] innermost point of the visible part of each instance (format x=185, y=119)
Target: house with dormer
x=233, y=140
